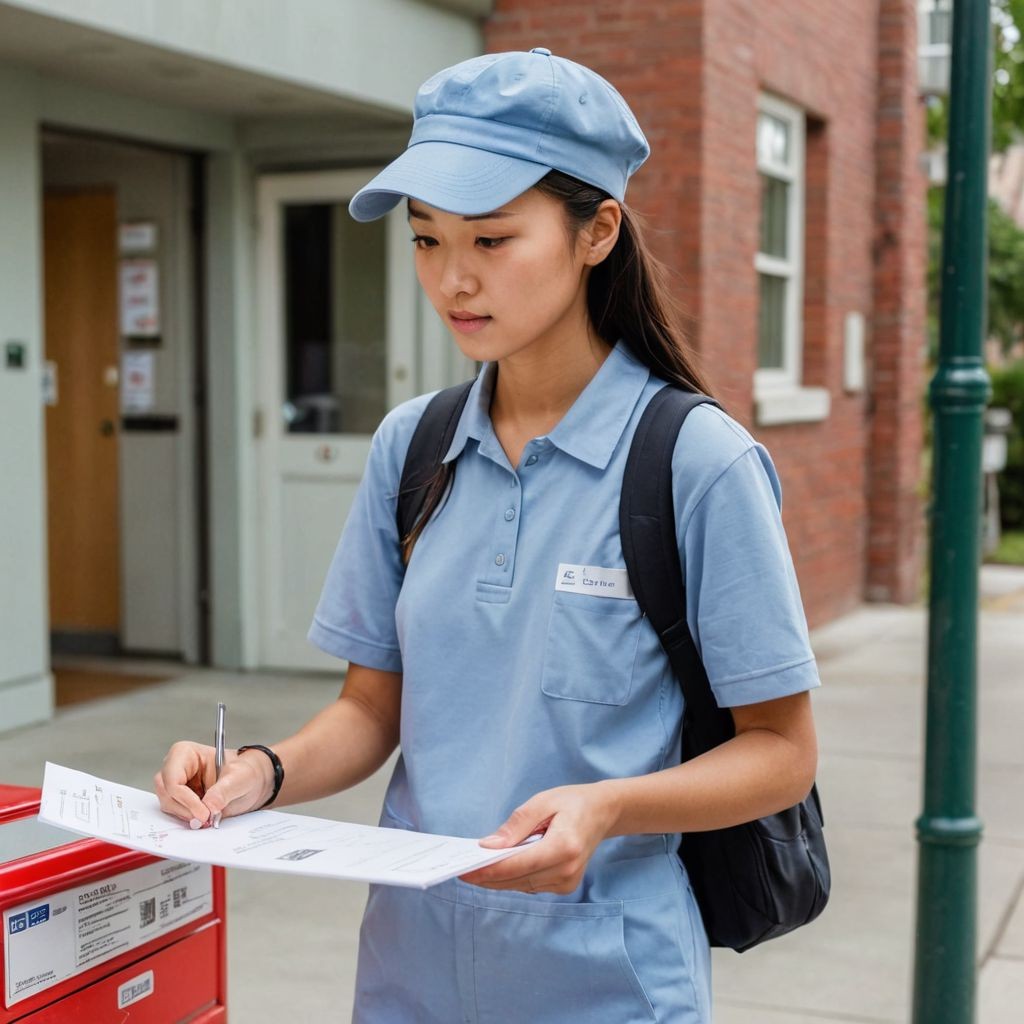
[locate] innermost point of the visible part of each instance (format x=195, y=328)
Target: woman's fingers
x=238, y=790
x=187, y=784
x=187, y=772
x=574, y=819
x=197, y=784
x=533, y=816
x=543, y=865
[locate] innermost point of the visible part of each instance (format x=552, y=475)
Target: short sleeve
x=355, y=616
x=743, y=600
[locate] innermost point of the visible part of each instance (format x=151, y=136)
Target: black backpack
x=752, y=881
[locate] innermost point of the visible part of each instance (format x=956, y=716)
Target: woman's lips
x=469, y=326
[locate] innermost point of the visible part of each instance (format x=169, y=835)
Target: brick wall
x=691, y=70
x=895, y=549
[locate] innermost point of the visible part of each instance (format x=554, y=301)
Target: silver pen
x=218, y=742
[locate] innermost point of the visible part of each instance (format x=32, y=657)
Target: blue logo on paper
x=17, y=923
x=37, y=915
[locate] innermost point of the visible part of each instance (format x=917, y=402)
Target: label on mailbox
x=51, y=939
x=134, y=989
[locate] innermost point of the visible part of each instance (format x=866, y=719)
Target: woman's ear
x=602, y=232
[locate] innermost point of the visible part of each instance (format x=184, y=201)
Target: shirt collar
x=590, y=430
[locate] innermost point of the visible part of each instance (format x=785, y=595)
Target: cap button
x=541, y=49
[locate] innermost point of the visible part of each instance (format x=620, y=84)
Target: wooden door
x=80, y=259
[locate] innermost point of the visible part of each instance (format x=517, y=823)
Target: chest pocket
x=591, y=648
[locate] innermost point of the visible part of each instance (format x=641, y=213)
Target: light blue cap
x=486, y=130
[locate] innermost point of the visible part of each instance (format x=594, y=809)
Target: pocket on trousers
x=547, y=962
x=590, y=648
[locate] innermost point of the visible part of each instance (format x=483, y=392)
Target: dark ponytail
x=628, y=296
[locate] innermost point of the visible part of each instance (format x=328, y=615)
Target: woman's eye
x=429, y=243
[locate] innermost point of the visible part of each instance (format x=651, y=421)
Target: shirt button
x=499, y=559
x=531, y=460
x=510, y=514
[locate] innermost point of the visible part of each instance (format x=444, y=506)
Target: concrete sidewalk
x=292, y=942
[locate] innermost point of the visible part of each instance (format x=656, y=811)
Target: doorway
x=338, y=348
x=124, y=522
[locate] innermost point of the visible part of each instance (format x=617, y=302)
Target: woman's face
x=515, y=267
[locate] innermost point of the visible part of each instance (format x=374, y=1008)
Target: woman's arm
x=343, y=744
x=768, y=766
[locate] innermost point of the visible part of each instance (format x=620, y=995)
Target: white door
x=338, y=310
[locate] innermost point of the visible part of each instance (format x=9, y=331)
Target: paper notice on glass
x=140, y=298
x=137, y=381
x=296, y=844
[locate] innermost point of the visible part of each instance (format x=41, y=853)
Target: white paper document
x=296, y=844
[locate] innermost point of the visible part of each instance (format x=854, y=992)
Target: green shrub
x=1010, y=550
x=1008, y=393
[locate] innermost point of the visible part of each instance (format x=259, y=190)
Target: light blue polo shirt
x=511, y=686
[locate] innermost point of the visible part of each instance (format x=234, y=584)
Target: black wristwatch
x=278, y=770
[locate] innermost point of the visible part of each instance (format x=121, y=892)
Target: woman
x=521, y=706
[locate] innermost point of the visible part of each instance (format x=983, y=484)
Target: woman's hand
x=574, y=819
x=188, y=788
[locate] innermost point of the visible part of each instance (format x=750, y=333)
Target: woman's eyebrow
x=473, y=216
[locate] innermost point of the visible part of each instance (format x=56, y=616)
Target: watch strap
x=278, y=769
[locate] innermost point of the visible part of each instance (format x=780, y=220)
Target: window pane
x=334, y=301
x=774, y=208
x=771, y=322
x=940, y=27
x=772, y=139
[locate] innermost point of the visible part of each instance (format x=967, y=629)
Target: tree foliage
x=1005, y=238
x=1008, y=393
x=1008, y=73
x=1007, y=81
x=1005, y=273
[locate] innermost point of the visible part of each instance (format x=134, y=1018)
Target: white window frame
x=933, y=55
x=779, y=395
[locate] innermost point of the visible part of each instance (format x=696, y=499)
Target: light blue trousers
x=628, y=947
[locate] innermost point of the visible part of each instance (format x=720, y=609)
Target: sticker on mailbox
x=135, y=989
x=52, y=939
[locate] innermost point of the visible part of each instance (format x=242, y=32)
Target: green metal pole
x=948, y=830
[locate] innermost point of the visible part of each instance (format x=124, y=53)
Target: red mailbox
x=93, y=932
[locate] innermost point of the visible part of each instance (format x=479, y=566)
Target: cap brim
x=448, y=176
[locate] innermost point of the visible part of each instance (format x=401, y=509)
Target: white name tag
x=591, y=579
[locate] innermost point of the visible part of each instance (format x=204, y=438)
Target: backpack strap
x=647, y=527
x=430, y=443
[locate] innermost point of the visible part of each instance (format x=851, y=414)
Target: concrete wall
x=25, y=684
x=159, y=526
x=355, y=65
x=231, y=460
x=374, y=53
x=30, y=101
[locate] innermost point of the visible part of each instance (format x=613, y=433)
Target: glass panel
x=335, y=321
x=940, y=27
x=771, y=322
x=774, y=219
x=772, y=139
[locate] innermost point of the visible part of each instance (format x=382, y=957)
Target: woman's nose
x=456, y=277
